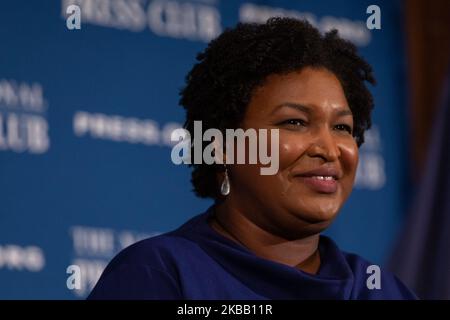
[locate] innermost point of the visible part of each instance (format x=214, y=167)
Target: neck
x=301, y=253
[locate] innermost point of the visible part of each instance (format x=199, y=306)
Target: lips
x=320, y=185
x=322, y=180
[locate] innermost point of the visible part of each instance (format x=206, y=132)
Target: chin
x=315, y=214
x=303, y=228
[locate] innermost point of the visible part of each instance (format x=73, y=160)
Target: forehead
x=316, y=87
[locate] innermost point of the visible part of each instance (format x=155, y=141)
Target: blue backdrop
x=86, y=116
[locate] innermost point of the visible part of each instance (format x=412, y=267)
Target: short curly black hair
x=219, y=87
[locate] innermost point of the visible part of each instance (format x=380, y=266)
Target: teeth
x=323, y=177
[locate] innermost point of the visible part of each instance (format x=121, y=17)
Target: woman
x=261, y=238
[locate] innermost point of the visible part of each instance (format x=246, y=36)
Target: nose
x=324, y=145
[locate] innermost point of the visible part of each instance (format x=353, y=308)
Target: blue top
x=196, y=262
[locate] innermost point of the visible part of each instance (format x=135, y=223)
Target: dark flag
x=422, y=257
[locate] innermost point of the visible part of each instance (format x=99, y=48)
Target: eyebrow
x=308, y=110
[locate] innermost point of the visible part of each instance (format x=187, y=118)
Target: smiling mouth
x=321, y=184
x=324, y=177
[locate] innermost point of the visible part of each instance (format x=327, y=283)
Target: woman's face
x=315, y=123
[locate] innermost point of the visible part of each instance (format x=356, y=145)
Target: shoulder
x=372, y=281
x=368, y=280
x=147, y=269
x=156, y=252
x=160, y=252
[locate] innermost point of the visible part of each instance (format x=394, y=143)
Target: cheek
x=291, y=148
x=349, y=159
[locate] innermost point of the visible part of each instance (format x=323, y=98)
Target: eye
x=344, y=127
x=294, y=122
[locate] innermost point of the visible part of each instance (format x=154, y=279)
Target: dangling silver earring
x=225, y=187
